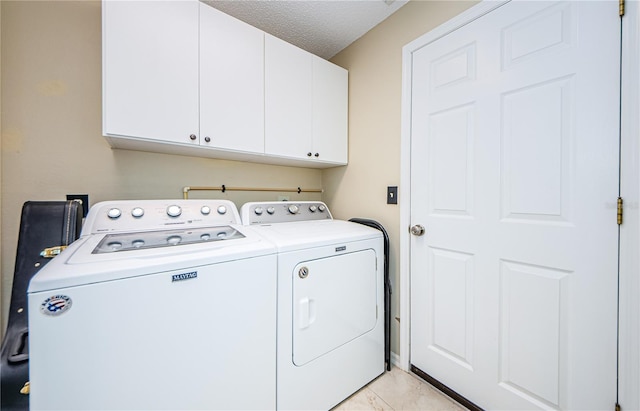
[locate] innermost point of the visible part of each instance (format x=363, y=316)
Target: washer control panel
x=283, y=212
x=142, y=215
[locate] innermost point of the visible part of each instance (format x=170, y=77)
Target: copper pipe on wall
x=223, y=188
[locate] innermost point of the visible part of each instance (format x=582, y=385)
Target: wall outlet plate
x=392, y=195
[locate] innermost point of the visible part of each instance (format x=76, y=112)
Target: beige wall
x=375, y=88
x=51, y=128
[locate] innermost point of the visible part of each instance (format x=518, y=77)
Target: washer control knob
x=222, y=210
x=174, y=240
x=322, y=208
x=174, y=211
x=114, y=213
x=137, y=212
x=271, y=210
x=205, y=210
x=293, y=209
x=258, y=210
x=313, y=208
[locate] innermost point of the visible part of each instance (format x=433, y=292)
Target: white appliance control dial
x=313, y=208
x=271, y=210
x=174, y=211
x=137, y=212
x=174, y=240
x=205, y=210
x=293, y=209
x=222, y=210
x=321, y=208
x=114, y=213
x=258, y=211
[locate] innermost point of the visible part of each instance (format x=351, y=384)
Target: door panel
x=334, y=302
x=514, y=174
x=288, y=99
x=231, y=82
x=150, y=84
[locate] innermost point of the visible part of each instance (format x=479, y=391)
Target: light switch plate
x=392, y=195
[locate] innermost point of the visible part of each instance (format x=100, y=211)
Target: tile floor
x=398, y=390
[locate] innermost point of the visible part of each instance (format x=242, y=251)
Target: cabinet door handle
x=192, y=137
x=317, y=155
x=309, y=154
x=207, y=139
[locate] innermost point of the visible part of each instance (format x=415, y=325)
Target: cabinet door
x=288, y=84
x=330, y=108
x=231, y=83
x=150, y=69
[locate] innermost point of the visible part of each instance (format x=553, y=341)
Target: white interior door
x=514, y=175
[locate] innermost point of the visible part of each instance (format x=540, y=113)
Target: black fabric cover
x=43, y=224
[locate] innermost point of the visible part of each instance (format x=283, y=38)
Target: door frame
x=629, y=317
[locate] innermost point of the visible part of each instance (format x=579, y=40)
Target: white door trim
x=629, y=372
x=630, y=231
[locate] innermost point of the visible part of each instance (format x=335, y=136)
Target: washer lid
x=79, y=264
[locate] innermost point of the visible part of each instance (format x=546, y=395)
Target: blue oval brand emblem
x=55, y=305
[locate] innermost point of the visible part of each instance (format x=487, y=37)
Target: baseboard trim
x=395, y=361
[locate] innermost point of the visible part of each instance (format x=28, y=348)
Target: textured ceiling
x=322, y=27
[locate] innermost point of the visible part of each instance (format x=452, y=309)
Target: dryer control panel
x=283, y=212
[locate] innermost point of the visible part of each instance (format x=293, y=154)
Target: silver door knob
x=416, y=230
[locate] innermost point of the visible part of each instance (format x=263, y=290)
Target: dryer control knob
x=313, y=208
x=293, y=209
x=137, y=212
x=205, y=210
x=271, y=210
x=322, y=208
x=114, y=213
x=258, y=210
x=174, y=211
x=222, y=210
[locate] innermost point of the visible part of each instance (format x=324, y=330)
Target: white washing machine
x=330, y=302
x=161, y=304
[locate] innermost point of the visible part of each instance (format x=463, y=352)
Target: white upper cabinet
x=330, y=112
x=182, y=77
x=288, y=99
x=306, y=105
x=150, y=70
x=231, y=83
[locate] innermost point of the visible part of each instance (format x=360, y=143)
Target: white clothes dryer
x=161, y=304
x=330, y=302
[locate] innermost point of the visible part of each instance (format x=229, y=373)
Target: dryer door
x=334, y=302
